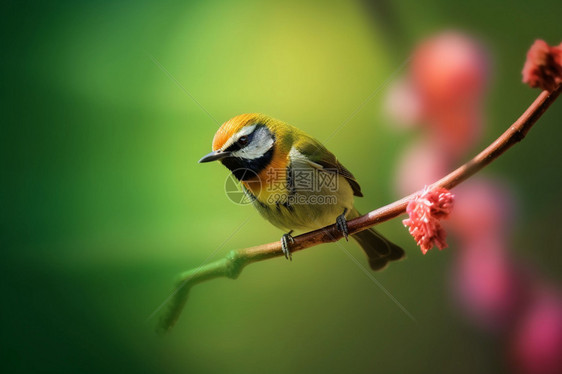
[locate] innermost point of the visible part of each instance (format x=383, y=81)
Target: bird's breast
x=271, y=182
x=300, y=197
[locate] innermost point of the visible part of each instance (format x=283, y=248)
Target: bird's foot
x=341, y=224
x=285, y=239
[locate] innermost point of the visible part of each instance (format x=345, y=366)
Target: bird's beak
x=213, y=156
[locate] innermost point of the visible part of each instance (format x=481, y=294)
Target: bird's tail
x=379, y=250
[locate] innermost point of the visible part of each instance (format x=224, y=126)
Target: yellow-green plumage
x=279, y=154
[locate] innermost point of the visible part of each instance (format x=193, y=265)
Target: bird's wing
x=318, y=156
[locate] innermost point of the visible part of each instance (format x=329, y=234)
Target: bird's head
x=245, y=142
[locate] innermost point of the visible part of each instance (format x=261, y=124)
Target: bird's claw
x=285, y=239
x=341, y=224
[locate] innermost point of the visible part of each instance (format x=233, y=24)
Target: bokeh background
x=103, y=202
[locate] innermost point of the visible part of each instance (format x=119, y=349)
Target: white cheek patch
x=262, y=141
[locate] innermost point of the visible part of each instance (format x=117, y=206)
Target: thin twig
x=234, y=262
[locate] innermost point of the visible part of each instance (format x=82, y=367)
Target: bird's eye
x=243, y=140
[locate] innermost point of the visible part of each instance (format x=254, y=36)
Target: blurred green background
x=103, y=202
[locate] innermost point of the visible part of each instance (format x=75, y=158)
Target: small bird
x=294, y=181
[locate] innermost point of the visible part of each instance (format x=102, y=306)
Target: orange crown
x=232, y=126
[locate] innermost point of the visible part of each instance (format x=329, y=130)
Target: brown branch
x=232, y=265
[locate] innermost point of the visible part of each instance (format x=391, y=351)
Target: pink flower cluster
x=444, y=93
x=426, y=211
x=543, y=67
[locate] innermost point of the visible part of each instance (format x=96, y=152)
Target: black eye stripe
x=239, y=145
x=233, y=147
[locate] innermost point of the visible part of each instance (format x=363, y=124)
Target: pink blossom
x=444, y=90
x=488, y=285
x=450, y=74
x=450, y=68
x=425, y=211
x=543, y=67
x=536, y=346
